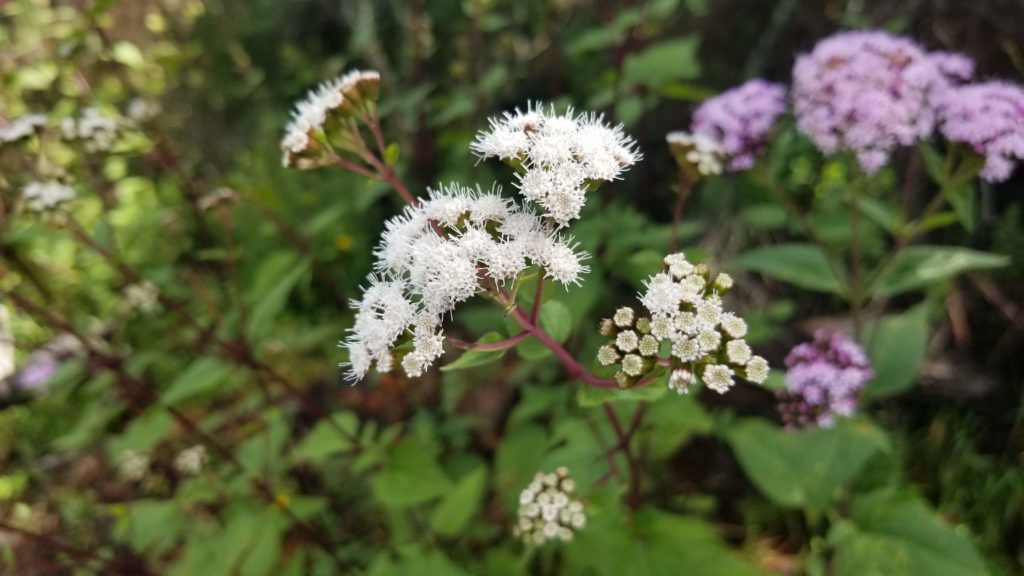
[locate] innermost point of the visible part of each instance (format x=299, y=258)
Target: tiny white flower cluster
x=442, y=252
x=686, y=311
x=190, y=461
x=142, y=110
x=22, y=127
x=132, y=465
x=343, y=94
x=97, y=131
x=42, y=196
x=699, y=151
x=547, y=510
x=142, y=296
x=559, y=158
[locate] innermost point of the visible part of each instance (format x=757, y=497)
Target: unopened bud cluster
x=547, y=509
x=190, y=461
x=323, y=124
x=685, y=310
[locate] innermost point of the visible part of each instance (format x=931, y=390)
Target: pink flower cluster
x=741, y=120
x=989, y=118
x=823, y=380
x=868, y=92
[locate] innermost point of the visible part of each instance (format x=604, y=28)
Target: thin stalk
x=489, y=346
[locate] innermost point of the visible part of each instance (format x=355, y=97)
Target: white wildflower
x=97, y=131
x=738, y=352
x=41, y=196
x=624, y=317
x=757, y=370
x=558, y=156
x=133, y=465
x=697, y=150
x=21, y=127
x=718, y=377
x=547, y=509
x=627, y=341
x=680, y=380
x=607, y=355
x=632, y=365
x=312, y=112
x=733, y=325
x=190, y=461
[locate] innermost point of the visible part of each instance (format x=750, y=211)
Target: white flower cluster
x=439, y=253
x=41, y=196
x=142, y=296
x=97, y=131
x=142, y=110
x=343, y=94
x=699, y=151
x=190, y=461
x=547, y=510
x=132, y=465
x=22, y=127
x=686, y=311
x=559, y=157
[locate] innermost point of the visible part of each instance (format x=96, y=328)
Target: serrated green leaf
x=663, y=63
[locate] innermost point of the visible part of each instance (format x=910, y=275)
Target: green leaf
x=961, y=198
x=651, y=543
x=144, y=432
x=806, y=468
x=934, y=162
x=892, y=537
x=765, y=216
x=556, y=320
x=330, y=436
x=200, y=377
x=897, y=345
x=669, y=423
x=918, y=266
x=663, y=63
x=269, y=301
x=593, y=396
x=472, y=358
x=411, y=475
x=803, y=265
x=460, y=505
x=152, y=525
x=519, y=457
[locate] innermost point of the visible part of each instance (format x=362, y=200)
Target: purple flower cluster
x=823, y=380
x=741, y=119
x=989, y=118
x=869, y=92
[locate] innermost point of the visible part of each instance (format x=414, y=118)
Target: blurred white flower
x=190, y=461
x=41, y=196
x=547, y=509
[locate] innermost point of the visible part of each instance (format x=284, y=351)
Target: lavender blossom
x=741, y=120
x=989, y=118
x=824, y=380
x=36, y=374
x=868, y=92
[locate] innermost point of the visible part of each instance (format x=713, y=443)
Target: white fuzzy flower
x=22, y=127
x=680, y=380
x=607, y=355
x=733, y=325
x=623, y=317
x=312, y=112
x=98, y=132
x=449, y=247
x=558, y=155
x=41, y=196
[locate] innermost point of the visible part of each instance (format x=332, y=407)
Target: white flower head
x=548, y=510
x=190, y=461
x=42, y=196
x=133, y=465
x=718, y=377
x=698, y=151
x=21, y=127
x=681, y=380
x=559, y=156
